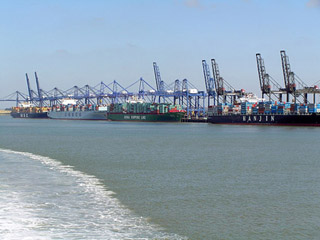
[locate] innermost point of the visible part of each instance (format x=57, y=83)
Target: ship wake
x=40, y=198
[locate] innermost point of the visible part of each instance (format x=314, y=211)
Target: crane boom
x=38, y=89
x=157, y=75
x=263, y=76
x=29, y=89
x=206, y=73
x=288, y=75
x=209, y=81
x=218, y=79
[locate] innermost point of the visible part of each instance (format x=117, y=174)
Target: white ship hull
x=78, y=115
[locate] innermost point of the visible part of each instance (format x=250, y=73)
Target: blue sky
x=78, y=42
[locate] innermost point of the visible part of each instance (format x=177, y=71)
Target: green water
x=201, y=181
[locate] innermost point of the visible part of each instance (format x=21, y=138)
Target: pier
x=5, y=112
x=193, y=100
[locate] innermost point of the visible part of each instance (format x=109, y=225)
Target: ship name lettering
x=255, y=119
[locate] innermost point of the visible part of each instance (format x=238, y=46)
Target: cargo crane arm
x=218, y=81
x=209, y=81
x=288, y=75
x=263, y=77
x=38, y=89
x=267, y=83
x=222, y=84
x=292, y=80
x=157, y=75
x=29, y=89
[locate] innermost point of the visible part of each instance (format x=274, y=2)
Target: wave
x=40, y=198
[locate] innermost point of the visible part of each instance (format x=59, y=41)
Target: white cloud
x=97, y=22
x=132, y=45
x=313, y=3
x=193, y=4
x=61, y=53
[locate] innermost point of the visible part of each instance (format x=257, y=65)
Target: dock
x=5, y=112
x=197, y=120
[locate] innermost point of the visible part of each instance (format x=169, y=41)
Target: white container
x=193, y=90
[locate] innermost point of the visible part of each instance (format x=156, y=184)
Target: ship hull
x=29, y=115
x=78, y=115
x=267, y=119
x=166, y=117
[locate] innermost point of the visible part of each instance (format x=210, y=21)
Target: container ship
x=267, y=113
x=146, y=112
x=26, y=110
x=70, y=110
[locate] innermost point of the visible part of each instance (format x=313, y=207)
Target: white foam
x=80, y=207
x=16, y=221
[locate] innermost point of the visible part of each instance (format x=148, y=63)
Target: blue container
x=269, y=102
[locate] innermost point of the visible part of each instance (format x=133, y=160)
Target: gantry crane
x=209, y=82
x=223, y=88
x=294, y=85
x=268, y=85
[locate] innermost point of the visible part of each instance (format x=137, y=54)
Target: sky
x=79, y=42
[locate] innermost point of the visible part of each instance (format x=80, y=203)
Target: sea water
x=117, y=180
